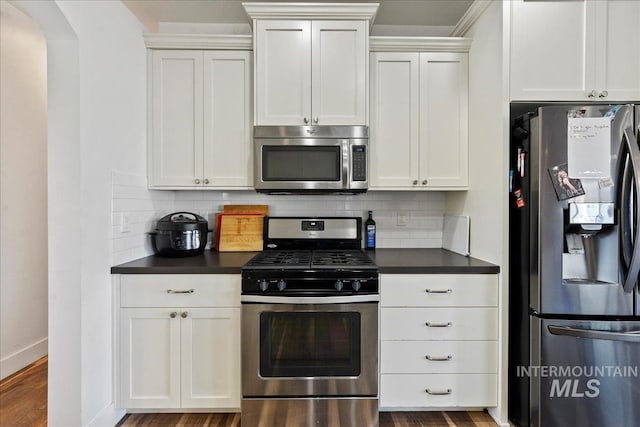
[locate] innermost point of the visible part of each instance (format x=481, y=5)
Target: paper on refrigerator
x=589, y=147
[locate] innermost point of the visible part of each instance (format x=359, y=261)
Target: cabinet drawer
x=410, y=391
x=439, y=290
x=439, y=357
x=478, y=324
x=180, y=290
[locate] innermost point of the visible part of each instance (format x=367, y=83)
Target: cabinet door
x=395, y=119
x=283, y=72
x=551, y=50
x=227, y=119
x=210, y=343
x=617, y=49
x=176, y=111
x=339, y=70
x=443, y=120
x=149, y=358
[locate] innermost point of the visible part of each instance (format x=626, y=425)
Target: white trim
x=418, y=44
x=24, y=357
x=198, y=41
x=108, y=416
x=472, y=14
x=333, y=11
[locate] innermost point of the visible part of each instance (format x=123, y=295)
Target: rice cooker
x=180, y=234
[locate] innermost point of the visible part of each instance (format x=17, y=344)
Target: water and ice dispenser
x=590, y=242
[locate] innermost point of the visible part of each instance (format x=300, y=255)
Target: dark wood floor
x=387, y=419
x=23, y=397
x=23, y=403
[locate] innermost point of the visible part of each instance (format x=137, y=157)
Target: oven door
x=324, y=346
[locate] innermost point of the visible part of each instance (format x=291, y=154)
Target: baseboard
x=21, y=358
x=108, y=416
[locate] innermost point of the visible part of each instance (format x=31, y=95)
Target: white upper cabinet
x=311, y=72
x=176, y=117
x=395, y=119
x=419, y=121
x=575, y=50
x=200, y=104
x=443, y=120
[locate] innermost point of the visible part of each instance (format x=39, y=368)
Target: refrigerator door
x=575, y=234
x=589, y=373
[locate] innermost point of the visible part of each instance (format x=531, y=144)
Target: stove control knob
x=356, y=285
x=264, y=285
x=282, y=285
x=338, y=285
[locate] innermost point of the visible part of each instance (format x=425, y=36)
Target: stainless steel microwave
x=311, y=159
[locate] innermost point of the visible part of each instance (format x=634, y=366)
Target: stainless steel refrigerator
x=574, y=313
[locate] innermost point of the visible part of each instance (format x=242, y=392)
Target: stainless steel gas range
x=310, y=327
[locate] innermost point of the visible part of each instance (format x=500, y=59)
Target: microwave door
x=300, y=165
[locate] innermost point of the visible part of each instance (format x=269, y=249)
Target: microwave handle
x=346, y=163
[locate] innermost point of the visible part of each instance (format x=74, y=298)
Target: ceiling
x=426, y=13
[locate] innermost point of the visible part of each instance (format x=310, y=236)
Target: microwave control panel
x=359, y=162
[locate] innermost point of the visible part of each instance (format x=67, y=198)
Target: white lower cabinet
x=439, y=337
x=181, y=356
x=438, y=390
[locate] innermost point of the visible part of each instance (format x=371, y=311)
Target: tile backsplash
x=403, y=219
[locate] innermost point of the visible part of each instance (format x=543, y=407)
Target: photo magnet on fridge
x=566, y=188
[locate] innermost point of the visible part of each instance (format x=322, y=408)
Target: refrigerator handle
x=629, y=227
x=633, y=336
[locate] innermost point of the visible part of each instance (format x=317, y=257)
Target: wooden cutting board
x=239, y=232
x=246, y=209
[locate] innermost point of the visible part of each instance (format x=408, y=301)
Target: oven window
x=309, y=344
x=301, y=163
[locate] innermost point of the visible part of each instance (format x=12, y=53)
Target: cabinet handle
x=173, y=315
x=439, y=325
x=206, y=181
x=603, y=94
x=171, y=291
x=305, y=120
x=415, y=182
x=184, y=314
x=315, y=120
x=424, y=182
x=592, y=95
x=439, y=358
x=197, y=181
x=439, y=392
x=438, y=291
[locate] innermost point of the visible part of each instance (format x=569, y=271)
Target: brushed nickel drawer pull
x=439, y=291
x=184, y=314
x=439, y=325
x=171, y=291
x=439, y=393
x=173, y=315
x=440, y=358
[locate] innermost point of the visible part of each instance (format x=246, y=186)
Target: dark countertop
x=428, y=261
x=390, y=261
x=210, y=262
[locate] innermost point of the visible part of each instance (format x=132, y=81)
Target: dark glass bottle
x=370, y=230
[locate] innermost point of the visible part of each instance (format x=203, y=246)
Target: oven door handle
x=308, y=300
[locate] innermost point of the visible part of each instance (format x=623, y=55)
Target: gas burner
x=340, y=259
x=280, y=259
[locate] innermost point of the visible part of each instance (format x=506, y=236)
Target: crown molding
x=333, y=11
x=418, y=44
x=198, y=41
x=470, y=17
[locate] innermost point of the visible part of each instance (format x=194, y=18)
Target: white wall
x=97, y=124
x=23, y=191
x=423, y=212
x=486, y=201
